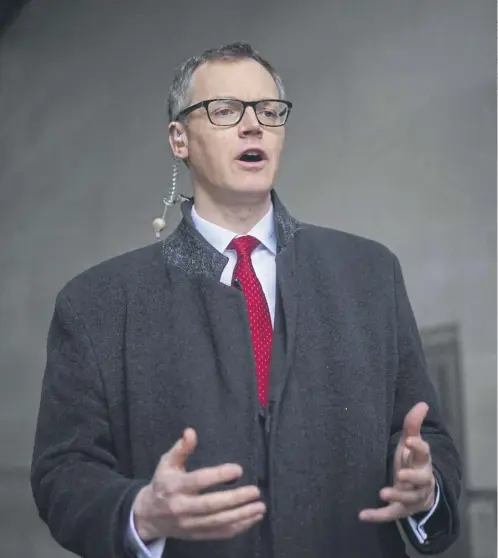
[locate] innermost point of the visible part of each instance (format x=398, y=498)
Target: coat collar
x=187, y=249
x=221, y=238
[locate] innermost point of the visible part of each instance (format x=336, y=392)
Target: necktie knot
x=244, y=245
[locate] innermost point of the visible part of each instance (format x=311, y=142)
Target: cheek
x=202, y=154
x=277, y=151
x=215, y=151
x=278, y=143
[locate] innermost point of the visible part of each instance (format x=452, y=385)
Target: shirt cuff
x=137, y=546
x=418, y=527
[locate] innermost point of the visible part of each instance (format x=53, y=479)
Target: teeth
x=251, y=156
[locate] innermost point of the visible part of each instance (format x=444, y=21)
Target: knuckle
x=159, y=487
x=182, y=523
x=219, y=521
x=212, y=505
x=217, y=476
x=176, y=506
x=162, y=475
x=196, y=479
x=164, y=487
x=234, y=500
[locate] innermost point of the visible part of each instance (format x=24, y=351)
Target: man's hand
x=414, y=481
x=171, y=506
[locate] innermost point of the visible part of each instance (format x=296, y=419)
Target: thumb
x=414, y=419
x=177, y=456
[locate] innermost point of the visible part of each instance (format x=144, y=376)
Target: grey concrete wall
x=392, y=137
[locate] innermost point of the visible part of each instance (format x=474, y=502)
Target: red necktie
x=257, y=309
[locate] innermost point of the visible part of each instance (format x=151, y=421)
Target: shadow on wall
x=10, y=10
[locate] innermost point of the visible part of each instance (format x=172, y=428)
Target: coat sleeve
x=414, y=385
x=75, y=478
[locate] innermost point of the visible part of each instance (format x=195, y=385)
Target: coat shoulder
x=347, y=246
x=110, y=279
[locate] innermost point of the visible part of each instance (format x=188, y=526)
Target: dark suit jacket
x=151, y=342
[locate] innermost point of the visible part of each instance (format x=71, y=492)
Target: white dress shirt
x=263, y=260
x=263, y=256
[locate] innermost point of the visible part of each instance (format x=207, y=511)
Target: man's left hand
x=413, y=489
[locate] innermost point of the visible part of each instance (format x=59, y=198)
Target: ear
x=178, y=140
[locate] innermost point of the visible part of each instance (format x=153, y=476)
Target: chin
x=254, y=185
x=254, y=192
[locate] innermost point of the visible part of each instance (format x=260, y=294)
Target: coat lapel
x=286, y=229
x=288, y=298
x=188, y=250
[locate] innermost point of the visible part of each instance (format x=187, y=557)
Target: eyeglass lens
x=228, y=112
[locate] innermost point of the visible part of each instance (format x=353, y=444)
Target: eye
x=269, y=113
x=269, y=110
x=223, y=111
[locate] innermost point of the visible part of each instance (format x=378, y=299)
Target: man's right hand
x=172, y=506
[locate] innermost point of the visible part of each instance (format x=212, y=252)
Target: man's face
x=214, y=152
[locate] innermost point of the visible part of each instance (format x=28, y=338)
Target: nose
x=249, y=123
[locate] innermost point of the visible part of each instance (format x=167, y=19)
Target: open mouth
x=252, y=156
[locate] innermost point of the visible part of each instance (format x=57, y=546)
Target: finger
x=420, y=451
x=222, y=519
x=401, y=485
x=219, y=501
x=403, y=458
x=406, y=497
x=392, y=512
x=415, y=477
x=177, y=456
x=207, y=477
x=413, y=421
x=229, y=531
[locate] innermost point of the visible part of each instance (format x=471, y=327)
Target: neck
x=238, y=215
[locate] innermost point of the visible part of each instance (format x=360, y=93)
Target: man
x=251, y=387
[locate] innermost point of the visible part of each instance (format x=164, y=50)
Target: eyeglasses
x=229, y=112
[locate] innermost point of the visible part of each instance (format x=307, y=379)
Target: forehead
x=243, y=79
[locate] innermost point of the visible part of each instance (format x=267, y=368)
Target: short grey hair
x=180, y=90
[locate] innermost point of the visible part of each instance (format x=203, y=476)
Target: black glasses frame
x=205, y=104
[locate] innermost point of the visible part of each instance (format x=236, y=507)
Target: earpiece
x=159, y=223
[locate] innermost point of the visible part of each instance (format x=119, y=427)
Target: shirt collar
x=220, y=238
